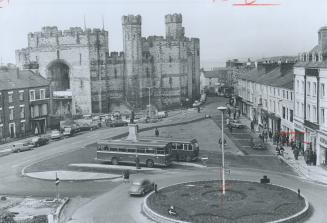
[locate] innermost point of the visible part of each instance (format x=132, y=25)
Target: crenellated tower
x=132, y=43
x=174, y=28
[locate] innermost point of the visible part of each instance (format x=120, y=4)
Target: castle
x=86, y=78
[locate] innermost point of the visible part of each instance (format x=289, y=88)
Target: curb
x=59, y=210
x=79, y=180
x=162, y=219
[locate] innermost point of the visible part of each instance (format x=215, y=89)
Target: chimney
x=17, y=72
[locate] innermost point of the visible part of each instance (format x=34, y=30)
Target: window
x=274, y=91
x=297, y=85
x=314, y=115
x=322, y=90
x=322, y=115
x=115, y=73
x=32, y=95
x=308, y=113
x=291, y=115
x=171, y=82
x=11, y=113
x=302, y=110
x=113, y=149
x=10, y=96
x=302, y=86
x=21, y=95
x=278, y=92
x=0, y=116
x=274, y=106
x=44, y=109
x=22, y=127
x=36, y=111
x=314, y=93
x=147, y=72
x=122, y=150
x=287, y=95
x=42, y=94
x=80, y=59
x=22, y=111
x=186, y=146
x=283, y=93
x=291, y=95
x=160, y=151
x=141, y=150
x=297, y=108
x=308, y=88
x=149, y=150
x=131, y=150
x=287, y=114
x=284, y=111
x=170, y=59
x=179, y=146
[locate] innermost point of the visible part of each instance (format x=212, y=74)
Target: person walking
x=156, y=132
x=252, y=126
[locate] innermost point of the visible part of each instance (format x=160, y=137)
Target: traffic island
x=246, y=202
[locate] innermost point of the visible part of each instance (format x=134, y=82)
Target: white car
x=20, y=147
x=197, y=103
x=55, y=134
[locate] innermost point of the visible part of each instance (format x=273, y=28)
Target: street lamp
x=222, y=109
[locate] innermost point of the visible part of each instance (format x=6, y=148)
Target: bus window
x=122, y=150
x=167, y=150
x=179, y=146
x=131, y=150
x=141, y=150
x=113, y=149
x=160, y=151
x=185, y=146
x=173, y=146
x=99, y=147
x=150, y=150
x=105, y=148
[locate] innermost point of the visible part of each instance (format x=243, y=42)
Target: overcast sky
x=225, y=31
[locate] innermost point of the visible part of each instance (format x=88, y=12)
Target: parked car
x=197, y=103
x=236, y=124
x=141, y=187
x=68, y=131
x=116, y=123
x=56, y=134
x=257, y=144
x=162, y=114
x=39, y=141
x=20, y=147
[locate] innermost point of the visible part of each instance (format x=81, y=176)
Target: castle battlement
x=132, y=20
x=52, y=31
x=174, y=18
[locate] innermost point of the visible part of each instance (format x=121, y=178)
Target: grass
x=245, y=202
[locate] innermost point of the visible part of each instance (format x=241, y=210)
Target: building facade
x=266, y=96
x=24, y=103
x=85, y=78
x=311, y=100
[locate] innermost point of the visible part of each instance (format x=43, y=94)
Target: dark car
x=141, y=187
x=116, y=123
x=39, y=141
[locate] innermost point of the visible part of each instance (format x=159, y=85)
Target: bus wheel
x=149, y=163
x=188, y=158
x=114, y=161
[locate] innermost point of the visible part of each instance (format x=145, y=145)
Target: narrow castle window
x=115, y=72
x=170, y=59
x=198, y=52
x=81, y=84
x=80, y=59
x=58, y=55
x=171, y=82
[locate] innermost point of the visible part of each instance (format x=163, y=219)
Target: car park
x=39, y=141
x=20, y=147
x=141, y=187
x=56, y=134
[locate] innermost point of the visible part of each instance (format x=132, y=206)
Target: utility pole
x=222, y=109
x=149, y=100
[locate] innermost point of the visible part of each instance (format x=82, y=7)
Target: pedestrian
x=296, y=153
x=228, y=111
x=156, y=188
x=156, y=132
x=198, y=109
x=125, y=176
x=298, y=193
x=235, y=115
x=239, y=113
x=270, y=134
x=230, y=128
x=252, y=126
x=137, y=162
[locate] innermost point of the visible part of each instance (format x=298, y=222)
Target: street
x=111, y=200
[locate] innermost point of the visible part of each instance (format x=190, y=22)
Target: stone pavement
x=317, y=174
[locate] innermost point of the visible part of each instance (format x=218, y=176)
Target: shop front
x=322, y=149
x=274, y=123
x=299, y=135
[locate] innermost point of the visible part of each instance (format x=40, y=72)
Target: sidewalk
x=313, y=173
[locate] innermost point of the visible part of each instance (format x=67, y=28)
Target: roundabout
x=246, y=202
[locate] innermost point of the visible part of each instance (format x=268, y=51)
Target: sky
x=225, y=31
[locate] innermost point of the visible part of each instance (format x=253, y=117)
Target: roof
x=25, y=79
x=311, y=64
x=272, y=78
x=216, y=72
x=124, y=142
x=162, y=139
x=279, y=59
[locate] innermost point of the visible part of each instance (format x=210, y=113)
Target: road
x=114, y=203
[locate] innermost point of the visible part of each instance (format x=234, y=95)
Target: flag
x=4, y=3
x=57, y=180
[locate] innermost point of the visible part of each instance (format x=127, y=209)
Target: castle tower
x=322, y=41
x=132, y=43
x=174, y=28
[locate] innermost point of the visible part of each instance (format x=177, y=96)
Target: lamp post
x=222, y=109
x=149, y=101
